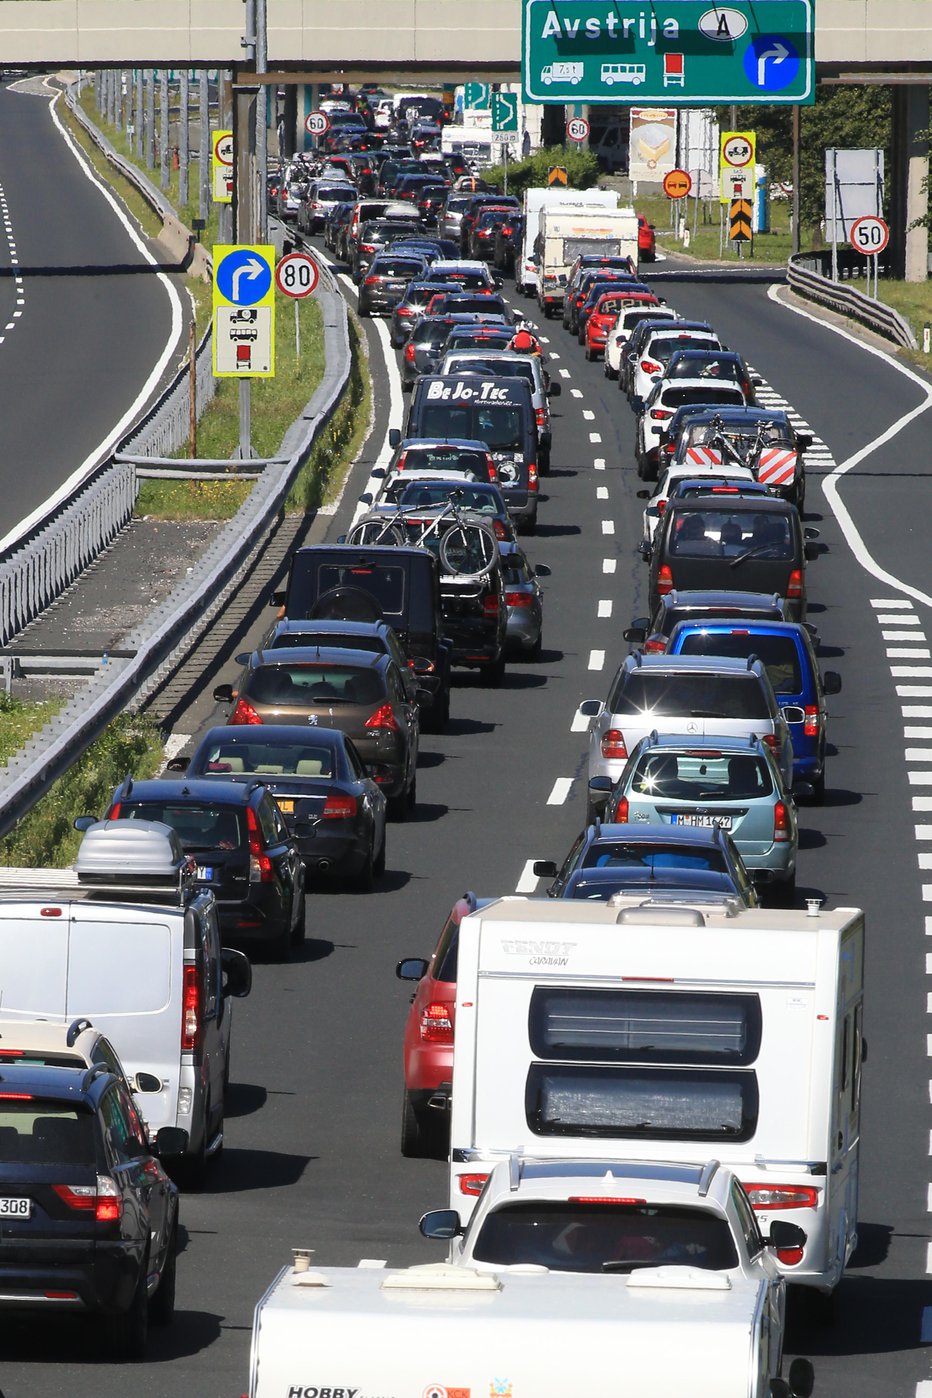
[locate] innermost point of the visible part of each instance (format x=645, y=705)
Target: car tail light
x=655, y=647
x=532, y=481
x=621, y=811
x=244, y=713
x=103, y=1198
x=602, y=1199
x=664, y=580
x=409, y=350
x=384, y=719
x=367, y=247
x=191, y=1010
x=371, y=281
x=540, y=417
x=781, y=823
x=472, y=1184
x=490, y=466
x=773, y=742
x=765, y=1197
x=16, y=1097
x=660, y=414
x=436, y=1025
x=661, y=506
x=650, y=367
x=490, y=604
x=498, y=529
x=339, y=808
x=260, y=865
x=518, y=599
x=794, y=587
x=813, y=721
x=613, y=744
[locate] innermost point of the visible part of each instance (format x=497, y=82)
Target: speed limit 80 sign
x=297, y=275
x=869, y=235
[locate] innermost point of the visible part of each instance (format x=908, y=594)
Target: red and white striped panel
x=777, y=466
x=703, y=456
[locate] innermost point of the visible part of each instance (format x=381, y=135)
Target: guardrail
x=806, y=274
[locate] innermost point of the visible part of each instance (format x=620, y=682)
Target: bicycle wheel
x=468, y=550
x=374, y=531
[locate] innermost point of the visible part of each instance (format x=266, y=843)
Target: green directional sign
x=673, y=52
x=504, y=111
x=476, y=95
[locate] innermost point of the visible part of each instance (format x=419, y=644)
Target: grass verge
x=20, y=720
x=45, y=837
x=338, y=445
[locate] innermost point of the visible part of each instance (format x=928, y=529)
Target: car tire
x=378, y=864
x=398, y=807
x=364, y=312
x=537, y=648
x=415, y=1142
x=162, y=1305
x=784, y=892
x=610, y=373
x=543, y=463
x=299, y=929
x=129, y=1331
x=818, y=789
x=190, y=1171
x=365, y=879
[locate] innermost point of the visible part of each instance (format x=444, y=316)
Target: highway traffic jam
x=606, y=1064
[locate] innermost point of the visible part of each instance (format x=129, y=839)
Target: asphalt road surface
x=312, y=1156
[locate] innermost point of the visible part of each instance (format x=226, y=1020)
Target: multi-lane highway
x=89, y=325
x=312, y=1155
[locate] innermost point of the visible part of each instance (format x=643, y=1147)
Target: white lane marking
x=923, y=832
x=831, y=483
x=553, y=353
x=177, y=326
x=394, y=415
x=914, y=691
x=595, y=436
x=903, y=635
x=898, y=619
x=174, y=743
x=609, y=565
x=917, y=730
x=561, y=789
x=890, y=601
x=544, y=339
x=916, y=711
x=919, y=778
x=10, y=325
x=608, y=526
x=599, y=463
x=919, y=754
x=597, y=662
x=580, y=723
x=605, y=610
x=922, y=803
x=925, y=861
x=927, y=893
x=564, y=373
x=908, y=653
x=576, y=393
x=527, y=883
x=911, y=672
x=588, y=414
x=601, y=492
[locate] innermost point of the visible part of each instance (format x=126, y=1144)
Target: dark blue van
x=788, y=654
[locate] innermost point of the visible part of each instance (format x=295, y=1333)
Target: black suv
x=244, y=853
x=88, y=1216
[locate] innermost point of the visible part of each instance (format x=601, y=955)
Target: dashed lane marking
x=561, y=789
x=528, y=881
x=597, y=662
x=605, y=610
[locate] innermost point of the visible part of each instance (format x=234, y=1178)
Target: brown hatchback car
x=360, y=693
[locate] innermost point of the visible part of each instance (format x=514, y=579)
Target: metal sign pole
x=297, y=338
x=245, y=451
x=163, y=128
x=203, y=174
x=184, y=154
x=262, y=122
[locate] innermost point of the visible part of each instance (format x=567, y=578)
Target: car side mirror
x=545, y=868
x=542, y=570
x=146, y=1082
x=412, y=968
x=811, y=533
x=643, y=494
x=800, y=1381
x=635, y=635
x=603, y=785
x=831, y=682
x=278, y=598
x=365, y=498
x=803, y=791
x=394, y=437
x=242, y=658
x=223, y=694
x=555, y=390
x=645, y=550
x=756, y=382
x=379, y=471
x=421, y=665
x=84, y=822
x=237, y=973
x=499, y=281
x=441, y=1223
x=178, y=764
x=590, y=708
x=786, y=1235
x=803, y=441
x=171, y=1140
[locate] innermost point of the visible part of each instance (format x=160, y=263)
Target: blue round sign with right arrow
x=771, y=62
x=244, y=277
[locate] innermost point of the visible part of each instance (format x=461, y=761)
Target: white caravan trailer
x=540, y=197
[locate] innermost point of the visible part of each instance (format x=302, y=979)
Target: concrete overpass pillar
x=917, y=179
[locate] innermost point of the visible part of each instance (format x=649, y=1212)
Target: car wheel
x=129, y=1331
x=162, y=1305
x=414, y=1136
x=365, y=880
x=535, y=652
x=543, y=463
x=411, y=797
x=784, y=892
x=818, y=789
x=296, y=937
x=364, y=312
x=610, y=373
x=398, y=806
x=190, y=1171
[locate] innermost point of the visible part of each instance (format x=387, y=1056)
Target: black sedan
x=334, y=811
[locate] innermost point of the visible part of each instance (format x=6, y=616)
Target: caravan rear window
x=681, y=1103
x=655, y=1026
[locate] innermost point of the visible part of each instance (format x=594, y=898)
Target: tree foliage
x=581, y=166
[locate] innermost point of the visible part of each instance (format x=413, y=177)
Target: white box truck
x=551, y=197
x=587, y=1030
x=452, y=1332
x=563, y=235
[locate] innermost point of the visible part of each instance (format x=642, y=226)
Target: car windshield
x=568, y=1236
x=649, y=695
x=294, y=759
x=701, y=775
x=718, y=533
x=303, y=685
x=42, y=1132
x=199, y=825
x=778, y=653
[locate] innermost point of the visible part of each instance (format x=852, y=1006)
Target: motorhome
x=585, y=1030
x=564, y=234
x=540, y=197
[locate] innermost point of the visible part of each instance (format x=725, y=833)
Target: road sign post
x=317, y=124
x=685, y=52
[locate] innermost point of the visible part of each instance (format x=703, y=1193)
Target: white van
x=126, y=940
x=587, y=1030
x=441, y=1331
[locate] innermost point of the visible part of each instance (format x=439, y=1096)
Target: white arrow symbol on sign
x=777, y=53
x=250, y=270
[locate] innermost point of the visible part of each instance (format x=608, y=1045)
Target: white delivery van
x=587, y=1030
x=126, y=940
x=540, y=197
x=478, y=144
x=443, y=1331
x=565, y=234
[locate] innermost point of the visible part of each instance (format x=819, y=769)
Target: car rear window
x=431, y=332
x=718, y=533
x=676, y=397
x=568, y=1236
x=385, y=583
x=395, y=267
x=420, y=496
x=501, y=428
x=621, y=854
x=663, y=348
x=308, y=685
x=647, y=695
x=443, y=459
x=701, y=776
x=778, y=653
x=199, y=825
x=300, y=758
x=40, y=1132
x=498, y=368
x=334, y=193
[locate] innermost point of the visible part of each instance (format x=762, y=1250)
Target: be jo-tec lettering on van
x=460, y=392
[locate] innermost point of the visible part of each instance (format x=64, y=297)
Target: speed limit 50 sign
x=869, y=235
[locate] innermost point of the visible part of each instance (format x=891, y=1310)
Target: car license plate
x=693, y=818
x=15, y=1208
x=205, y=872
x=286, y=807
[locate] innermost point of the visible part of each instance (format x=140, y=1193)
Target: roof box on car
x=144, y=853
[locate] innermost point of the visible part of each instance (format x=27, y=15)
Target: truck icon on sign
x=243, y=324
x=562, y=73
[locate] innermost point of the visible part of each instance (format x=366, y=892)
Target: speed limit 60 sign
x=297, y=275
x=316, y=123
x=869, y=235
x=577, y=128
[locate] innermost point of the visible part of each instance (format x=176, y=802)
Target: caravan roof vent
x=144, y=853
x=647, y=916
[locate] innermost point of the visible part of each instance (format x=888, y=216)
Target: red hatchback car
x=428, y=1048
x=605, y=314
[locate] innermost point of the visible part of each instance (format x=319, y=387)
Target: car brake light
x=115, y=813
x=781, y=823
x=661, y=506
x=12, y=1053
x=472, y=1184
x=108, y=1204
x=539, y=416
x=244, y=713
x=654, y=647
x=490, y=604
x=190, y=1010
x=436, y=1025
x=260, y=865
x=613, y=744
x=490, y=466
x=764, y=1197
x=371, y=281
x=650, y=367
x=621, y=811
x=383, y=718
x=15, y=1097
x=518, y=599
x=664, y=580
x=813, y=721
x=498, y=529
x=660, y=414
x=532, y=482
x=409, y=350
x=794, y=587
x=339, y=808
x=772, y=741
x=601, y=1199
